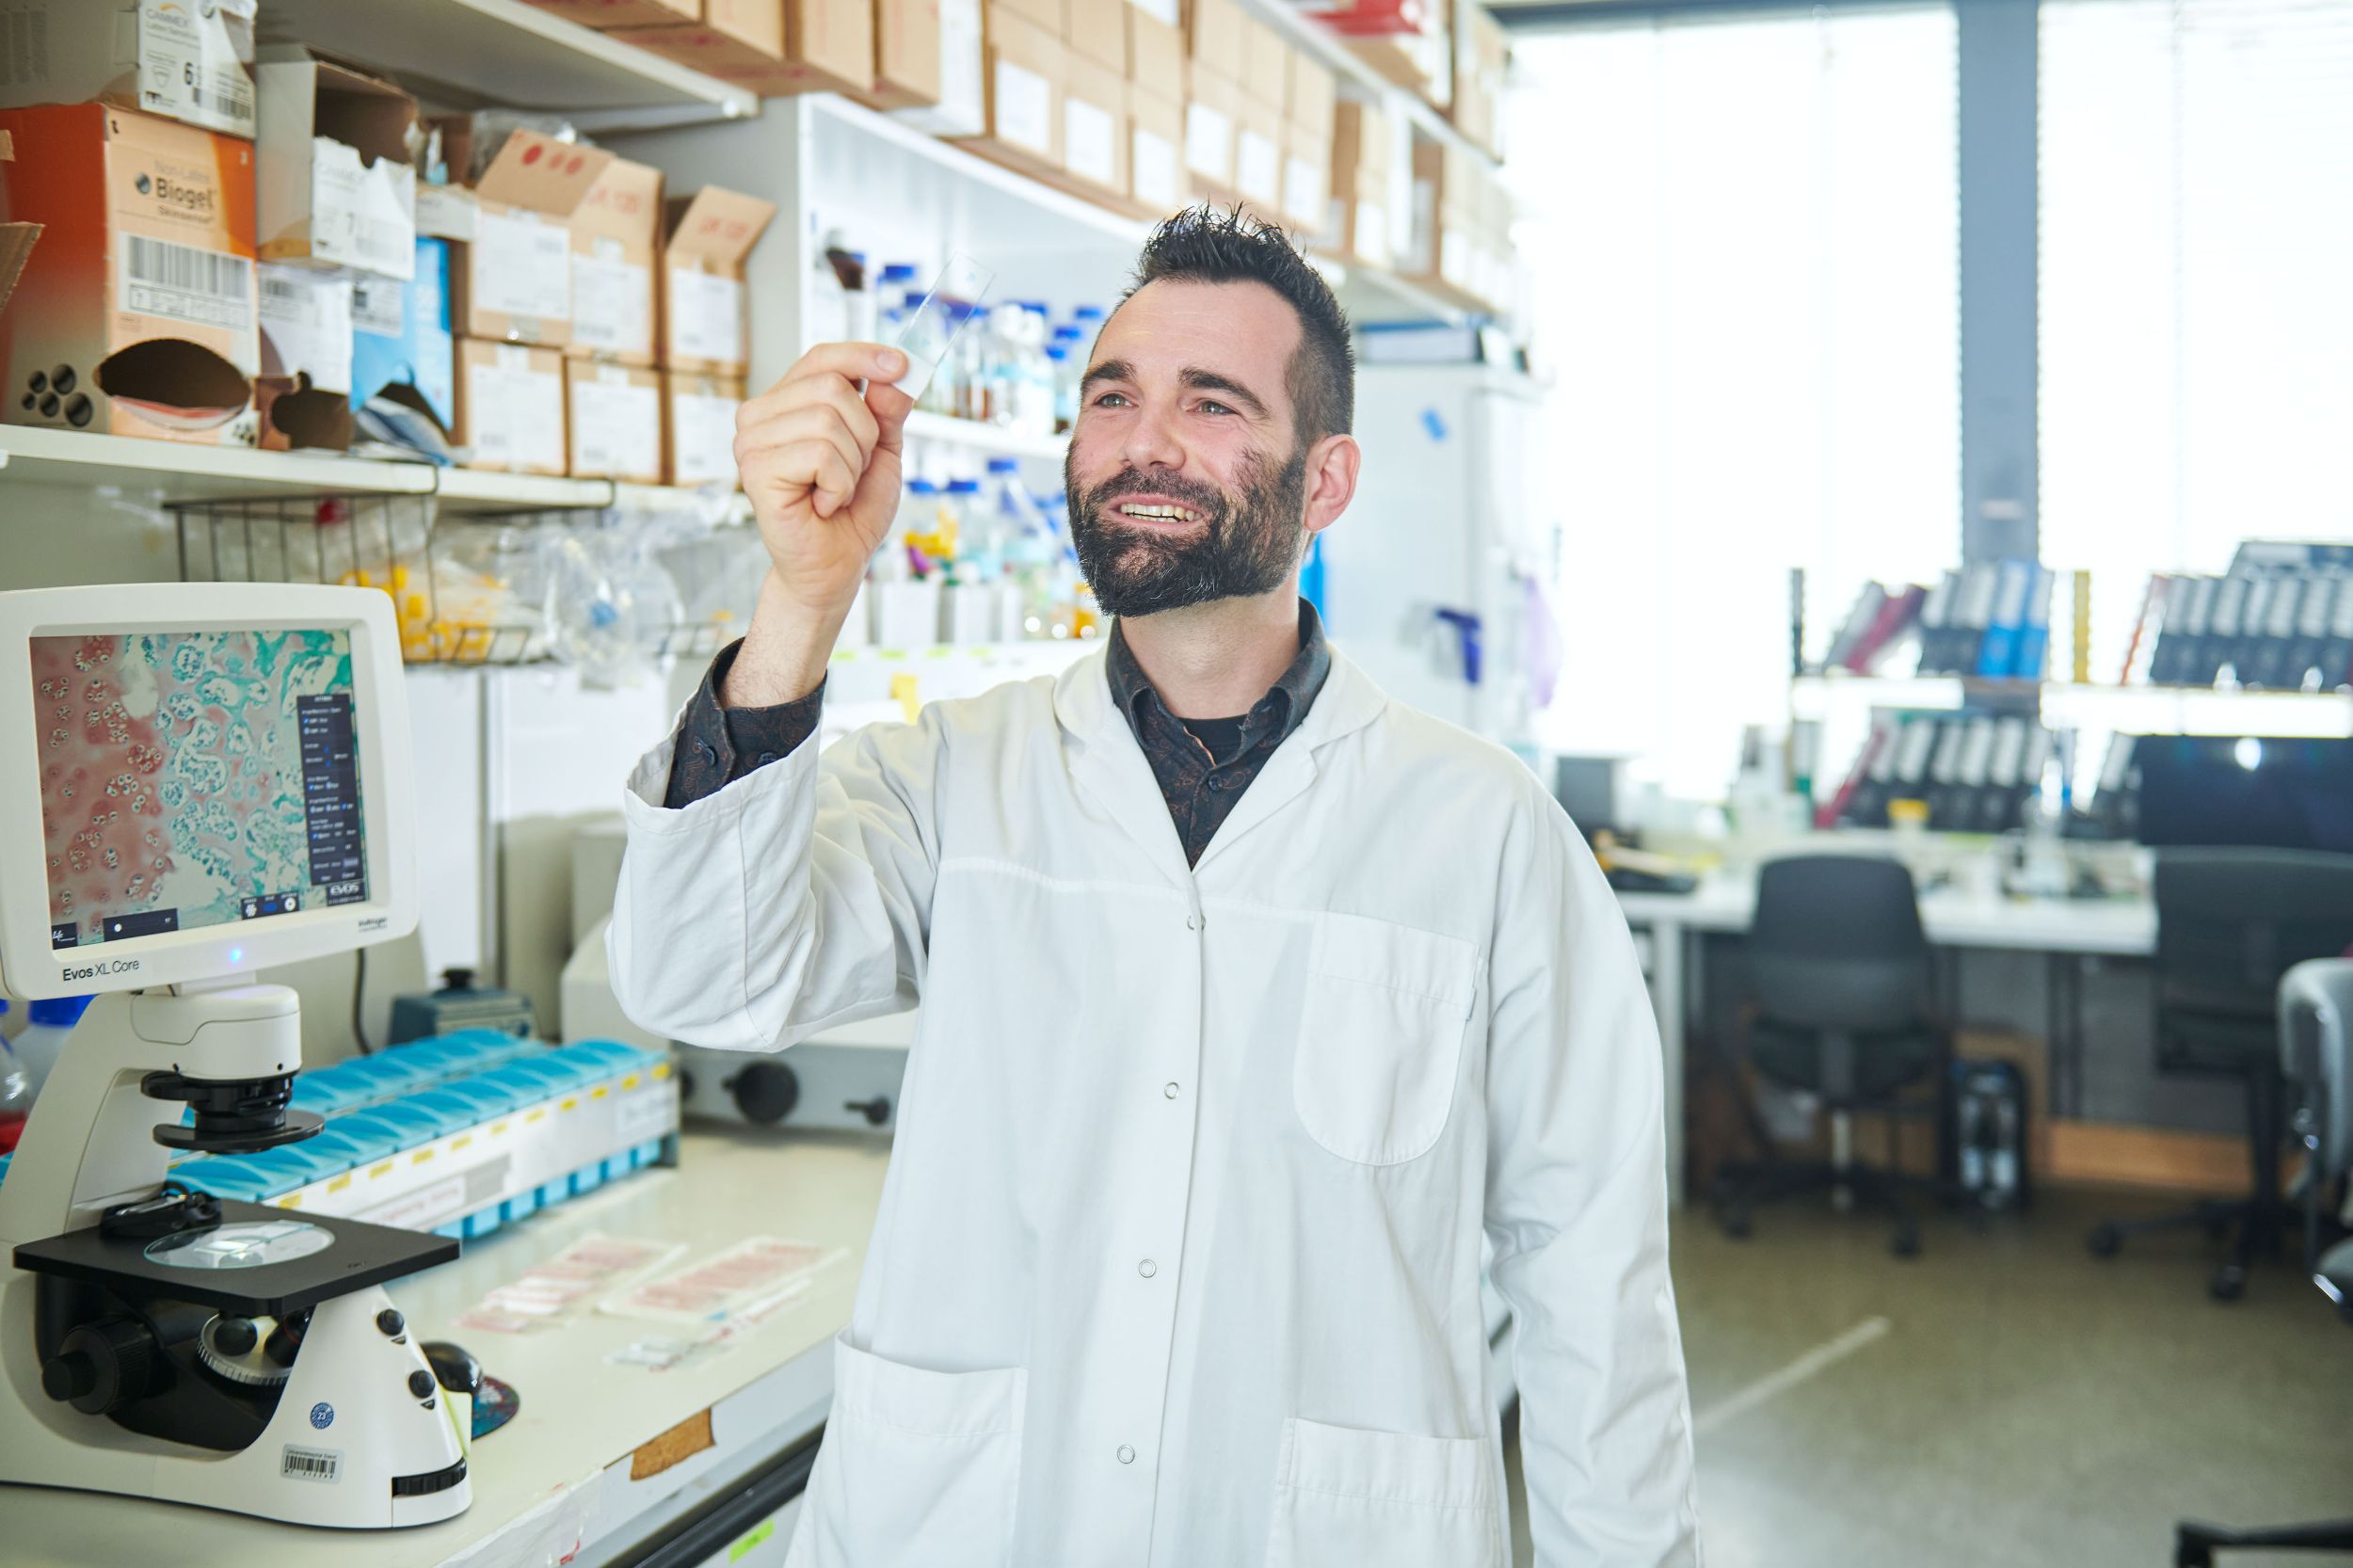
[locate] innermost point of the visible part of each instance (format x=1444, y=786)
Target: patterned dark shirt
x=1203, y=766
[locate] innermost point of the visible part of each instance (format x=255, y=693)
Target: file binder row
x=1975, y=771
x=2282, y=629
x=1990, y=620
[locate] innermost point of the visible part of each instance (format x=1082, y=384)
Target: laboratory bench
x=603, y=1463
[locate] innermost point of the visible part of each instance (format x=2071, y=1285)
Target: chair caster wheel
x=2228, y=1282
x=2105, y=1241
x=1906, y=1243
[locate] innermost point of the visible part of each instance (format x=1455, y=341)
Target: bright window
x=1748, y=257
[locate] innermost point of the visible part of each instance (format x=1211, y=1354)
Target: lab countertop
x=561, y=1467
x=1952, y=916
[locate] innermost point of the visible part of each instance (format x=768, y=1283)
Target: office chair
x=1841, y=970
x=2230, y=923
x=2316, y=1060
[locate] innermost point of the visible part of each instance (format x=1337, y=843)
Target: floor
x=2002, y=1399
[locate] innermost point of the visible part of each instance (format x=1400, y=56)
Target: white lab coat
x=1178, y=1262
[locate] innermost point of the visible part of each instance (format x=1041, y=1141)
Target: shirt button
x=1148, y=1267
x=766, y=758
x=1168, y=1091
x=1126, y=1454
x=705, y=750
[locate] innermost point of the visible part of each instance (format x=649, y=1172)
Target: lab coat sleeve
x=1576, y=1210
x=793, y=900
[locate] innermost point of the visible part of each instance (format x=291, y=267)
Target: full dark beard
x=1248, y=546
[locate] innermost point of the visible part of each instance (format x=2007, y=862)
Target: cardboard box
x=1094, y=126
x=1214, y=33
x=1258, y=153
x=1306, y=177
x=336, y=184
x=613, y=422
x=773, y=48
x=908, y=60
x=1155, y=54
x=1209, y=129
x=16, y=239
x=1421, y=63
x=1361, y=219
x=1097, y=32
x=1362, y=142
x=1266, y=68
x=401, y=343
x=1024, y=77
x=511, y=276
x=705, y=323
x=962, y=109
x=137, y=311
x=604, y=15
x=510, y=406
x=699, y=429
x=1313, y=95
x=185, y=62
x=1168, y=14
x=616, y=237
x=1045, y=13
x=1156, y=141
x=304, y=390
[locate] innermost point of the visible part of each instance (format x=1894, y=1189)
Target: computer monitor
x=2265, y=791
x=199, y=780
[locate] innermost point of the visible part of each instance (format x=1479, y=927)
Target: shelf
x=1329, y=49
x=926, y=427
x=162, y=473
x=471, y=53
x=2132, y=709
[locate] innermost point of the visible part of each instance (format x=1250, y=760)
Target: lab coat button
x=1192, y=923
x=1126, y=1454
x=1168, y=1091
x=1148, y=1267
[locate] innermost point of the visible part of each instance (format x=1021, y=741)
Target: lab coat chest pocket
x=1380, y=1036
x=1346, y=1498
x=919, y=1469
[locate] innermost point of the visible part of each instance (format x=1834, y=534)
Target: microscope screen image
x=193, y=778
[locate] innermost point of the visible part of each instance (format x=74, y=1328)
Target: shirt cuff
x=717, y=745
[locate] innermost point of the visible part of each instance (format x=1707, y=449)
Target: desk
x=2066, y=931
x=562, y=1466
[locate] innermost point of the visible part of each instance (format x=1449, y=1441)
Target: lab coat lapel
x=1107, y=764
x=1347, y=703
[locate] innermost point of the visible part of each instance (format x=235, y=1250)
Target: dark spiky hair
x=1202, y=245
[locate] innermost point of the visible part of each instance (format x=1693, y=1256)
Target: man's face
x=1185, y=474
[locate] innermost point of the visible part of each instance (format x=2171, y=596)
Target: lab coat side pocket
x=1380, y=1037
x=1350, y=1498
x=918, y=1469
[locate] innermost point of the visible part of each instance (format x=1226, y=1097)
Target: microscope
x=198, y=781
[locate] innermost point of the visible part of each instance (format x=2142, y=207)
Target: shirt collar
x=1283, y=708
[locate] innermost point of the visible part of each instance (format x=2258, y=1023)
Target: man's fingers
x=814, y=462
x=818, y=422
x=851, y=362
x=890, y=408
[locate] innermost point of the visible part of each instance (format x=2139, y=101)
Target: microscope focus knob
x=765, y=1092
x=102, y=1366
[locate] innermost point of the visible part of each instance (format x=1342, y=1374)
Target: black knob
x=876, y=1110
x=420, y=1383
x=103, y=1366
x=235, y=1335
x=390, y=1322
x=281, y=1346
x=765, y=1092
x=457, y=980
x=69, y=1378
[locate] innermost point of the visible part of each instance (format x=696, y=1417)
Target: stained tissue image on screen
x=193, y=778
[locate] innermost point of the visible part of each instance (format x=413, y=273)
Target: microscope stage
x=357, y=1256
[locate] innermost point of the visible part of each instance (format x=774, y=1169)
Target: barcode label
x=229, y=105
x=311, y=1464
x=209, y=288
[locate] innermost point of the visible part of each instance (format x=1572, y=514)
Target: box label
x=522, y=266
x=1372, y=233
x=1303, y=190
x=1166, y=12
x=706, y=317
x=702, y=439
x=306, y=326
x=1208, y=142
x=1024, y=109
x=1088, y=148
x=376, y=306
x=189, y=66
x=184, y=283
x=610, y=303
x=1154, y=168
x=517, y=416
x=1259, y=168
x=617, y=427
x=445, y=212
x=361, y=215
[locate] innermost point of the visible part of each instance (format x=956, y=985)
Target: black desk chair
x=2316, y=1060
x=1842, y=973
x=2230, y=923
